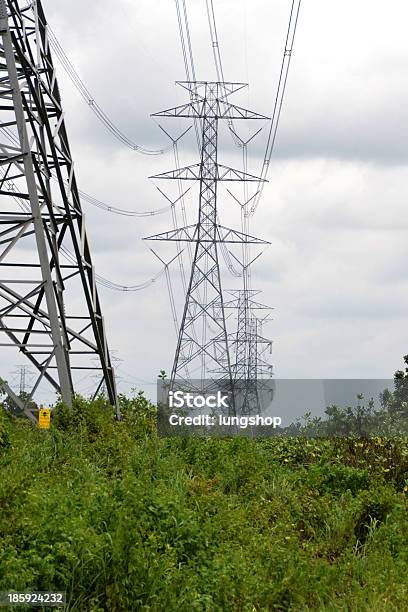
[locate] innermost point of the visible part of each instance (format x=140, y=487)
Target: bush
x=4, y=429
x=124, y=520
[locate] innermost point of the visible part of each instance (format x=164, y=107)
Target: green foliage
x=361, y=420
x=396, y=403
x=124, y=520
x=94, y=418
x=4, y=430
x=9, y=404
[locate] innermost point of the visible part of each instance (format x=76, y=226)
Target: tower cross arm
x=192, y=110
x=189, y=233
x=232, y=111
x=261, y=339
x=220, y=109
x=221, y=173
x=187, y=173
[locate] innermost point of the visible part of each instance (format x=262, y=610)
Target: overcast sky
x=334, y=209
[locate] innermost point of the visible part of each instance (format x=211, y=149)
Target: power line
x=120, y=211
x=105, y=282
x=134, y=213
x=91, y=102
x=90, y=199
x=188, y=59
x=101, y=280
x=280, y=93
x=217, y=58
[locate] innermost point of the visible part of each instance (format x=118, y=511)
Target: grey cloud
x=342, y=101
x=335, y=207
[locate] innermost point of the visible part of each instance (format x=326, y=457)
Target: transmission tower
x=248, y=347
x=202, y=347
x=22, y=378
x=49, y=305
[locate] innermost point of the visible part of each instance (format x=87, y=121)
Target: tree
x=396, y=403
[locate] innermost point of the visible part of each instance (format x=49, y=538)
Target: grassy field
x=123, y=520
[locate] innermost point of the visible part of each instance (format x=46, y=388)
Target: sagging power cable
x=280, y=93
x=100, y=280
x=91, y=102
x=99, y=203
x=104, y=282
x=124, y=212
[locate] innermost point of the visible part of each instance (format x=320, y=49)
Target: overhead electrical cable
x=280, y=93
x=188, y=58
x=101, y=280
x=127, y=288
x=121, y=211
x=99, y=203
x=217, y=58
x=91, y=102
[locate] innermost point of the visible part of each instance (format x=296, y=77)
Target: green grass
x=123, y=520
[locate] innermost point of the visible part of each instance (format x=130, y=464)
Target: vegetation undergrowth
x=124, y=520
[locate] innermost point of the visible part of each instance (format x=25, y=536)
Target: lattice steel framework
x=49, y=304
x=248, y=348
x=202, y=347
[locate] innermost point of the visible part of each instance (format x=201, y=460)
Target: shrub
x=4, y=430
x=125, y=520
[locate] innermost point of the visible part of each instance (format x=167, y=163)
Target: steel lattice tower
x=248, y=346
x=202, y=347
x=49, y=304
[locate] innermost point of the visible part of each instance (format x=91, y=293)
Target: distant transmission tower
x=248, y=347
x=49, y=305
x=23, y=372
x=22, y=376
x=202, y=347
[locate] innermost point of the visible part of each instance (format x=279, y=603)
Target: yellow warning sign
x=44, y=418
